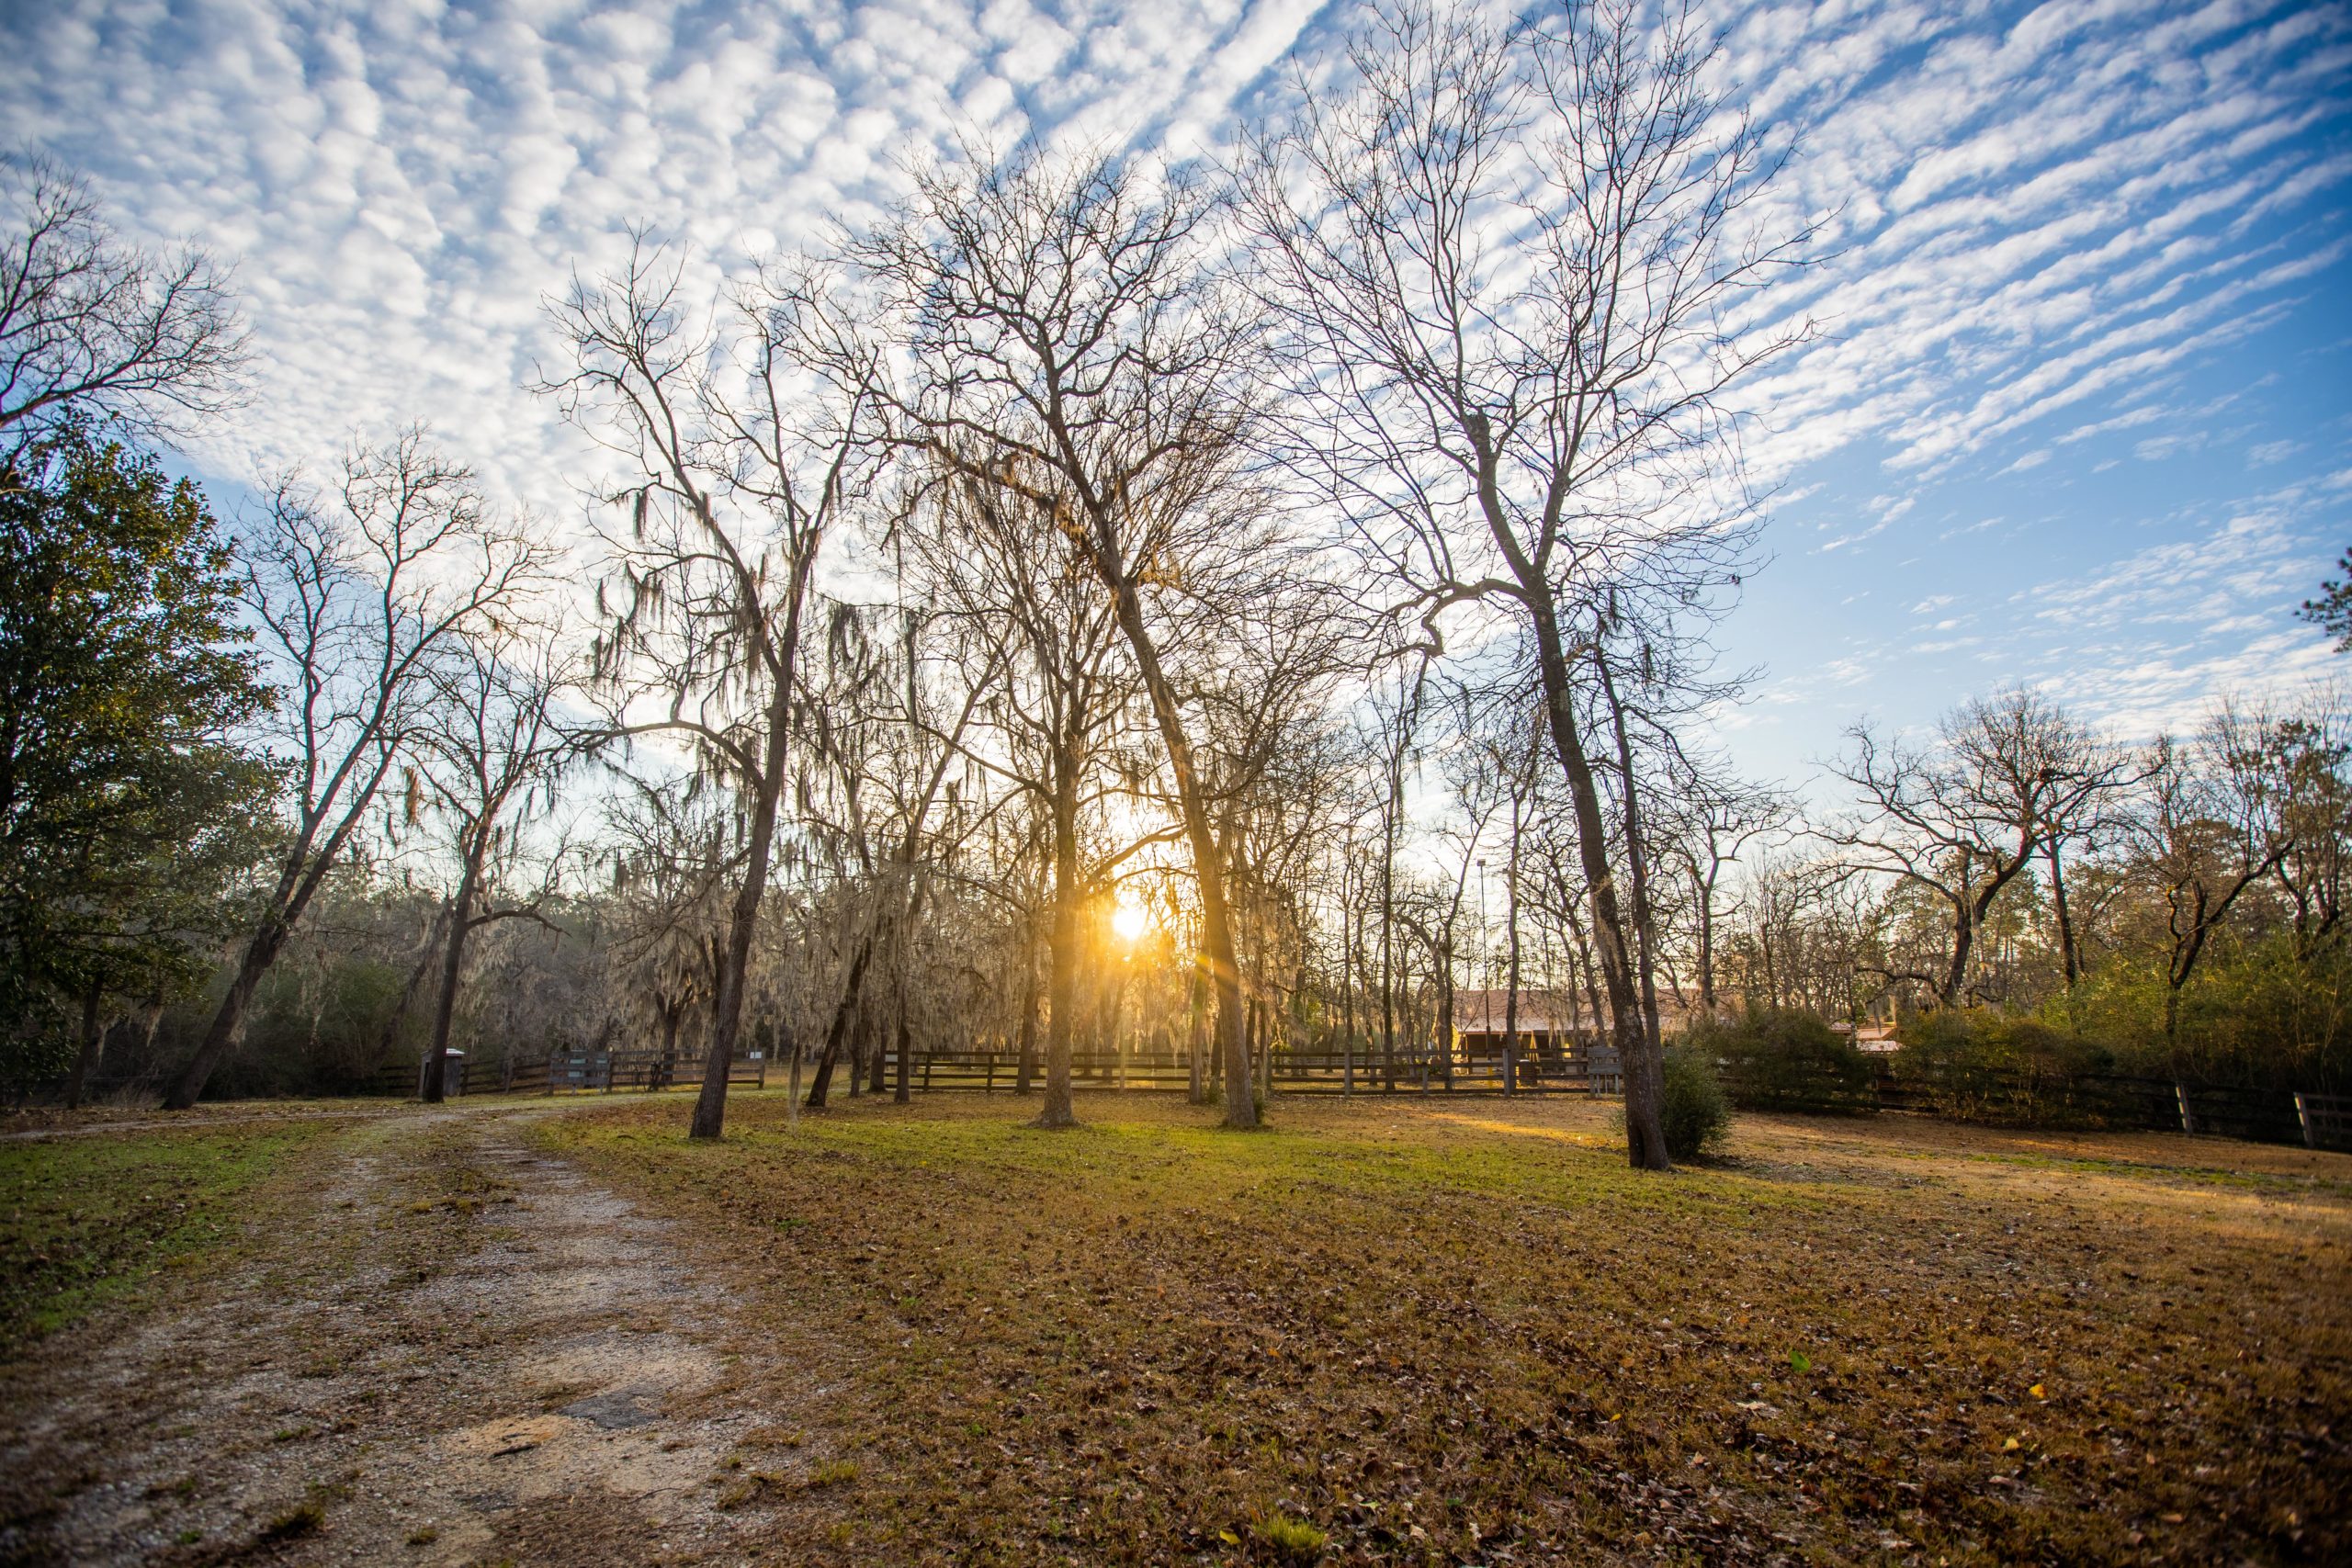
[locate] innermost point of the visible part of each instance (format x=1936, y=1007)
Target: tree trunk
x=1027, y=1072
x=1644, y=1137
x=1347, y=997
x=820, y=1082
x=1443, y=1037
x=1637, y=881
x=228, y=1026
x=91, y=1043
x=453, y=962
x=1705, y=889
x=710, y=1105
x=1061, y=992
x=1511, y=976
x=2065, y=926
x=1208, y=862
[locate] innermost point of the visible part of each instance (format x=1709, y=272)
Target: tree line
x=1098, y=602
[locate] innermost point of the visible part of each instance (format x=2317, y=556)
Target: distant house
x=1553, y=1030
x=1871, y=1039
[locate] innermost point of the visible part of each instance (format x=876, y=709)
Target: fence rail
x=2113, y=1101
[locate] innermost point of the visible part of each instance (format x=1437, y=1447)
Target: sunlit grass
x=1457, y=1333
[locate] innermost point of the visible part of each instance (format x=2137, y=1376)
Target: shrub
x=1693, y=1113
x=1780, y=1059
x=1982, y=1065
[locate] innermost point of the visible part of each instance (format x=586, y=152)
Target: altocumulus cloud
x=2035, y=215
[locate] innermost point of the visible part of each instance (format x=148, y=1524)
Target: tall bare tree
x=1066, y=342
x=1508, y=255
x=355, y=600
x=742, y=457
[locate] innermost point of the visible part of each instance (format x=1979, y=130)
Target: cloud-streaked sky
x=2081, y=414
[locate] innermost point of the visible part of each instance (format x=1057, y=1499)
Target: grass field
x=1391, y=1331
x=103, y=1217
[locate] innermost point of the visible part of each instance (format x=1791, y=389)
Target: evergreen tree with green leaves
x=2332, y=611
x=129, y=810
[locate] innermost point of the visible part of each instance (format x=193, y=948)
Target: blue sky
x=2081, y=414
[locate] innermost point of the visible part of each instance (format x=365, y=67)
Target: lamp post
x=1485, y=961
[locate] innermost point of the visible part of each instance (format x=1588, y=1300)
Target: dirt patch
x=460, y=1351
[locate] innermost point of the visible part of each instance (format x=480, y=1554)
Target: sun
x=1130, y=921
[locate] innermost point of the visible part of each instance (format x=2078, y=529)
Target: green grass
x=109, y=1217
x=1428, y=1333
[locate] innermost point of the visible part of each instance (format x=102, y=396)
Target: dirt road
x=455, y=1350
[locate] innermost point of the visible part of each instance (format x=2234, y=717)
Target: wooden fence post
x=2188, y=1117
x=2303, y=1115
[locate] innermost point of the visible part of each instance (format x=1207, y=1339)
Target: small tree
x=742, y=457
x=489, y=743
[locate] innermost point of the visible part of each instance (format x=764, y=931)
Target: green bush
x=1982, y=1065
x=1693, y=1113
x=1779, y=1059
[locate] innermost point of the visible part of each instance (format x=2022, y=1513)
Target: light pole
x=1485, y=962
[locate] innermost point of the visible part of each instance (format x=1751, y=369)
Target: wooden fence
x=2109, y=1101
x=2103, y=1102
x=573, y=1072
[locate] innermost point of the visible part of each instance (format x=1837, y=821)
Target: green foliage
x=1695, y=1113
x=2332, y=611
x=128, y=810
x=1782, y=1059
x=1985, y=1064
x=87, y=1220
x=2270, y=1011
x=1293, y=1540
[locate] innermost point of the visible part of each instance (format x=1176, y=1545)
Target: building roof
x=1479, y=1012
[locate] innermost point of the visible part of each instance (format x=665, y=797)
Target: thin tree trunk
x=453, y=962
x=2065, y=925
x=1637, y=881
x=228, y=1026
x=1208, y=862
x=1027, y=1072
x=820, y=1083
x=1510, y=979
x=710, y=1105
x=792, y=1086
x=91, y=1043
x=1347, y=995
x=1061, y=1004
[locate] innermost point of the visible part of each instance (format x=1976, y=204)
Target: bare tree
x=2215, y=823
x=355, y=601
x=742, y=458
x=1002, y=563
x=1508, y=258
x=94, y=327
x=488, y=745
x=1712, y=820
x=2009, y=777
x=1066, y=345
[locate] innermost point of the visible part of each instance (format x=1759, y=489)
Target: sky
x=2078, y=413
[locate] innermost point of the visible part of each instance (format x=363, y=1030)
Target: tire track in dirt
x=453, y=1349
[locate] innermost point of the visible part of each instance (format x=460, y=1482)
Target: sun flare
x=1130, y=921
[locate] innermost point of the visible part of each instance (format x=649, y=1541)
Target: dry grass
x=1397, y=1332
